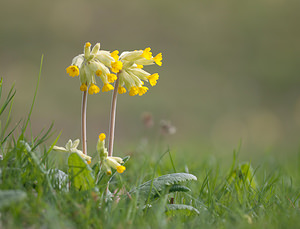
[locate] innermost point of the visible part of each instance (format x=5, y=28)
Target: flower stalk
x=83, y=122
x=113, y=118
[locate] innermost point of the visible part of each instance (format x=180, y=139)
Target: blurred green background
x=230, y=70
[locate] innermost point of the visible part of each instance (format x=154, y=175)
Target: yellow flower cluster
x=108, y=163
x=94, y=62
x=128, y=67
x=132, y=74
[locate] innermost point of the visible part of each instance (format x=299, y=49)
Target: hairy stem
x=113, y=118
x=83, y=122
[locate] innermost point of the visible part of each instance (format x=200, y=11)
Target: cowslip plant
x=128, y=67
x=128, y=75
x=81, y=175
x=108, y=162
x=91, y=63
x=94, y=63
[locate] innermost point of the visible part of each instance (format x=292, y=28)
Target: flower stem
x=83, y=122
x=113, y=118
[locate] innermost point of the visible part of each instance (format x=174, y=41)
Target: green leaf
x=160, y=184
x=181, y=209
x=80, y=173
x=8, y=197
x=179, y=188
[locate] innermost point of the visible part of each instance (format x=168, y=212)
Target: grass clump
x=35, y=194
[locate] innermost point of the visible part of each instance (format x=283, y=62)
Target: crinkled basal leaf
x=58, y=179
x=80, y=173
x=8, y=197
x=179, y=188
x=181, y=209
x=159, y=184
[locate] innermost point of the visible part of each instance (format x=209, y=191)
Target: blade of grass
x=44, y=137
x=171, y=159
x=7, y=119
x=9, y=97
x=7, y=136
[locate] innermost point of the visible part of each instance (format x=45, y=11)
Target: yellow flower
x=133, y=91
x=102, y=137
x=116, y=66
x=147, y=54
x=111, y=78
x=142, y=90
x=73, y=70
x=115, y=55
x=153, y=79
x=121, y=169
x=101, y=146
x=83, y=87
x=121, y=90
x=99, y=73
x=107, y=87
x=158, y=59
x=139, y=66
x=114, y=163
x=94, y=89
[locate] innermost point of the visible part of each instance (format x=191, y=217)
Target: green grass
x=35, y=193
